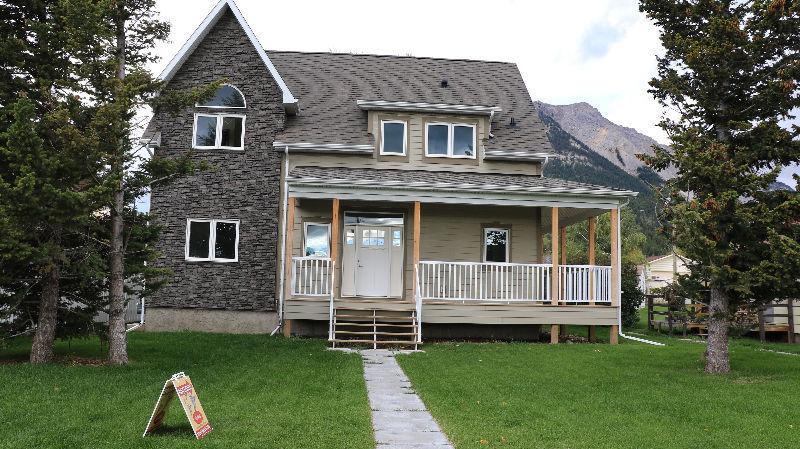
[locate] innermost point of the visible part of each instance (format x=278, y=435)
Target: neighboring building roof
x=330, y=85
x=289, y=101
x=425, y=179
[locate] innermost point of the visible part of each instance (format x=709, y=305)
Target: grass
x=257, y=392
x=628, y=396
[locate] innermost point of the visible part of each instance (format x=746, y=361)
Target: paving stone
x=400, y=419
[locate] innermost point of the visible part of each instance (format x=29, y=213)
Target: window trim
x=305, y=235
x=218, y=136
x=405, y=138
x=450, y=139
x=508, y=243
x=244, y=100
x=212, y=240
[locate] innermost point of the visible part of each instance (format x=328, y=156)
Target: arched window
x=227, y=96
x=220, y=130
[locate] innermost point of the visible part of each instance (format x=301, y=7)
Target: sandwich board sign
x=180, y=385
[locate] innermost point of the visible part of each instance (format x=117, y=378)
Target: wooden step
x=345, y=323
x=399, y=334
x=379, y=342
x=365, y=317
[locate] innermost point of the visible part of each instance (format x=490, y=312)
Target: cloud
x=601, y=52
x=598, y=39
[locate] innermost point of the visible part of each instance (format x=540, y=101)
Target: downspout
x=283, y=239
x=619, y=282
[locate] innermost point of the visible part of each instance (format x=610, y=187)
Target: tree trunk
x=117, y=336
x=719, y=322
x=42, y=348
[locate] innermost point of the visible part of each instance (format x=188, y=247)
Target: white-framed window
x=393, y=137
x=212, y=240
x=456, y=140
x=317, y=239
x=496, y=244
x=226, y=96
x=218, y=131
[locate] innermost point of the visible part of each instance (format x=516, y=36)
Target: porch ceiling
x=568, y=216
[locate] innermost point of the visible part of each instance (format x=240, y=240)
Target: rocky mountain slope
x=617, y=144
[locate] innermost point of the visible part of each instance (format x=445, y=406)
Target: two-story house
x=367, y=197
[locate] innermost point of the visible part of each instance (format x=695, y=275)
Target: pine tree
x=114, y=41
x=46, y=163
x=730, y=73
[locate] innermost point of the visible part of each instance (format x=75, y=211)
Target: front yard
x=273, y=392
x=257, y=391
x=629, y=396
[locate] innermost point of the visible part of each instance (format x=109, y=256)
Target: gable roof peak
x=289, y=101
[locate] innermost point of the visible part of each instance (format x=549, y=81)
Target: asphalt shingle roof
x=329, y=84
x=443, y=179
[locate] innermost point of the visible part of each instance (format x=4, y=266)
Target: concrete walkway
x=399, y=418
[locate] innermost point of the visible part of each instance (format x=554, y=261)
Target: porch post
x=417, y=214
x=562, y=241
x=555, y=288
x=287, y=275
x=592, y=261
x=615, y=267
x=334, y=240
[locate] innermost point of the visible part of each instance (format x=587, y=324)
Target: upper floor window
x=393, y=137
x=226, y=96
x=212, y=240
x=225, y=131
x=455, y=140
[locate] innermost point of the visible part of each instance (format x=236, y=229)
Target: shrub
x=632, y=296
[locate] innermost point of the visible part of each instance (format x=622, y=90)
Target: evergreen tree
x=114, y=41
x=46, y=164
x=730, y=73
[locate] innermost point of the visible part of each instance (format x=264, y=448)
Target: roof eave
x=384, y=105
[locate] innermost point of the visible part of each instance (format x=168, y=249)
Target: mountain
x=578, y=162
x=618, y=144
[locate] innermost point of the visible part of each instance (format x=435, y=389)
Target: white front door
x=373, y=260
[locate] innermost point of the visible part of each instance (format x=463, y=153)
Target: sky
x=602, y=52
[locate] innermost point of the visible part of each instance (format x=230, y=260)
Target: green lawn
x=629, y=396
x=257, y=392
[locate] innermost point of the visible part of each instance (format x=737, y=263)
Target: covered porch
x=449, y=259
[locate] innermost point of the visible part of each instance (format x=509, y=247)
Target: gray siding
x=242, y=185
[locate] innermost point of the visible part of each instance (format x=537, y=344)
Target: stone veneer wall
x=242, y=185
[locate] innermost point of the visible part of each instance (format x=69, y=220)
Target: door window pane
x=394, y=137
x=199, y=237
x=496, y=245
x=373, y=237
x=206, y=133
x=317, y=241
x=463, y=141
x=225, y=241
x=232, y=132
x=437, y=139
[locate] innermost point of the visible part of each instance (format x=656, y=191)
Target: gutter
x=283, y=239
x=619, y=282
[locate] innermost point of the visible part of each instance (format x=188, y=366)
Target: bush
x=632, y=296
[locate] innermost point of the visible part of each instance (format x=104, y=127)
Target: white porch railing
x=511, y=282
x=585, y=283
x=473, y=281
x=312, y=276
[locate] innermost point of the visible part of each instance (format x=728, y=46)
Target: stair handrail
x=418, y=303
x=332, y=278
